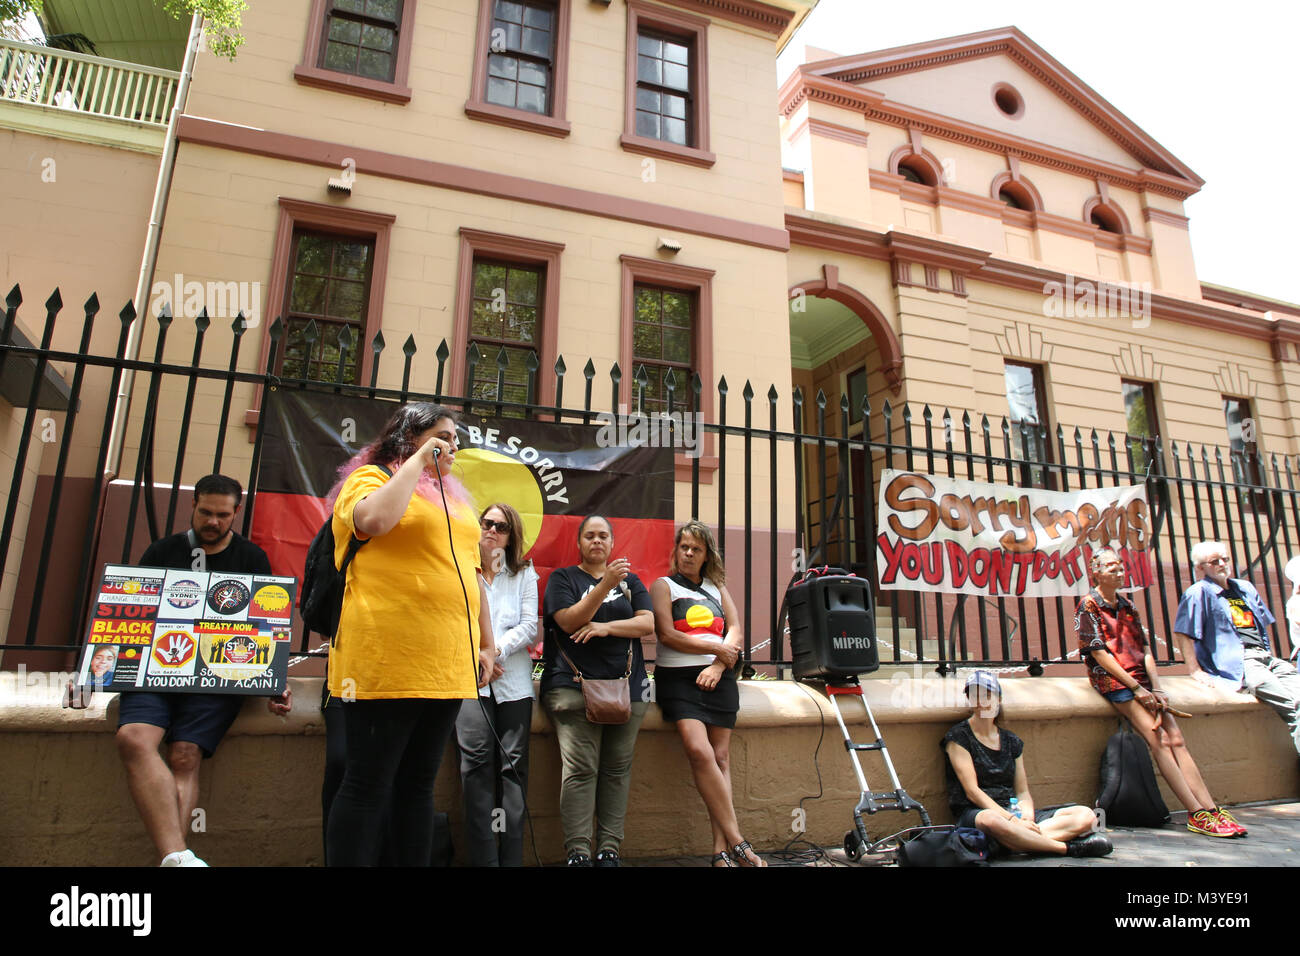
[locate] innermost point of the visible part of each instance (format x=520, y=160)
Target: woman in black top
x=986, y=769
x=595, y=616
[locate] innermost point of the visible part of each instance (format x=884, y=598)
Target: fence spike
x=820, y=399
x=560, y=367
x=772, y=395
x=531, y=362
x=747, y=393
x=503, y=360
x=277, y=330
x=408, y=347
x=240, y=325
x=723, y=387
x=92, y=304
x=589, y=370
x=55, y=302
x=377, y=344
x=15, y=297
x=473, y=354
x=127, y=315
x=202, y=321
x=442, y=353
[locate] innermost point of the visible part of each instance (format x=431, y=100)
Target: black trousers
x=393, y=749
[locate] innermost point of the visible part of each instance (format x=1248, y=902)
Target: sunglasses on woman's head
x=488, y=524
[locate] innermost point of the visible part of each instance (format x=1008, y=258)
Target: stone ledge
x=261, y=791
x=36, y=705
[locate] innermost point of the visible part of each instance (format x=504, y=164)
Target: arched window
x=916, y=170
x=1106, y=215
x=1015, y=193
x=1104, y=218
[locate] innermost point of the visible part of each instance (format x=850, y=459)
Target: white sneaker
x=182, y=858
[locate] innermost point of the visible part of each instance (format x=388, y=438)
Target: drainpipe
x=149, y=260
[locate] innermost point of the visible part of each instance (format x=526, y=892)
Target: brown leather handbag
x=608, y=701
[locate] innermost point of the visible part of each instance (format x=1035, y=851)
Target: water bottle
x=1014, y=809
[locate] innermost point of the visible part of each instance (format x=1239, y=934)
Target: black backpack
x=1129, y=794
x=322, y=581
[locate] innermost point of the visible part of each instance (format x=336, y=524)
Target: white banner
x=972, y=537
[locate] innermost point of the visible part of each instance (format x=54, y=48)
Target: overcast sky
x=1214, y=83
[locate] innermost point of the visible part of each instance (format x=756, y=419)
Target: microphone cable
x=474, y=651
x=814, y=852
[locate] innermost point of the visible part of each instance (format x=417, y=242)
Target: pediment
x=957, y=78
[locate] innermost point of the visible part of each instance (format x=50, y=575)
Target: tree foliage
x=222, y=19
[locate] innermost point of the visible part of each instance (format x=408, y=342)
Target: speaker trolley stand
x=856, y=842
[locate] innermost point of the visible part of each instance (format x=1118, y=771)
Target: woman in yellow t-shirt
x=414, y=638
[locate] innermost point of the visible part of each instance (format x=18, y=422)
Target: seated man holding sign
x=165, y=793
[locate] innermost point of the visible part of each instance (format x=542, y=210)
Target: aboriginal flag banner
x=554, y=474
x=972, y=537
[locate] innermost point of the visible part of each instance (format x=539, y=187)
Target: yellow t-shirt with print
x=403, y=631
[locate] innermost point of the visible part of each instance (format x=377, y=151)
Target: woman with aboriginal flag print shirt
x=700, y=640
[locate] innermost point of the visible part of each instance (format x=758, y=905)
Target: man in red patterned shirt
x=1114, y=648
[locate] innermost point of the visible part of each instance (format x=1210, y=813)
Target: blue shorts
x=967, y=819
x=200, y=719
x=1121, y=696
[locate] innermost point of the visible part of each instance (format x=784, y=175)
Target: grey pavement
x=1273, y=841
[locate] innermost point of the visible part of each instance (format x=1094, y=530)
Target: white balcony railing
x=87, y=84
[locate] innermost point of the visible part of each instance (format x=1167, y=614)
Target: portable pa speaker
x=832, y=628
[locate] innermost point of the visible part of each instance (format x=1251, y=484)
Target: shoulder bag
x=608, y=701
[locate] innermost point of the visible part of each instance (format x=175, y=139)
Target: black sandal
x=742, y=851
x=723, y=857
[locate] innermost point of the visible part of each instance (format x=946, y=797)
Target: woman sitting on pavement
x=1123, y=671
x=986, y=770
x=695, y=682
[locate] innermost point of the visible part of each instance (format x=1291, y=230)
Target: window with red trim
x=328, y=290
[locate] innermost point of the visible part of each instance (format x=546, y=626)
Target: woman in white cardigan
x=488, y=780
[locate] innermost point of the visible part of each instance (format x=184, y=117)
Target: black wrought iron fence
x=1196, y=493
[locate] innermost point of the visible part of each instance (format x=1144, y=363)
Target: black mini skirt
x=680, y=698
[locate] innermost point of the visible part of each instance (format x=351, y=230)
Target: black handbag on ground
x=1129, y=794
x=945, y=846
